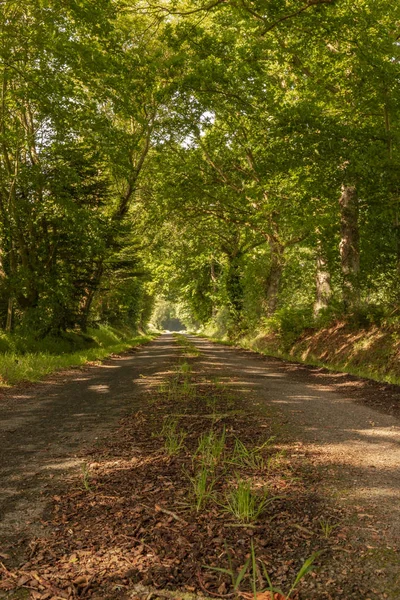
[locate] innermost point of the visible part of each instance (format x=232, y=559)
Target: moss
x=19, y=594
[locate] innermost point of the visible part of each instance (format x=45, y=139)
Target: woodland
x=236, y=158
x=232, y=167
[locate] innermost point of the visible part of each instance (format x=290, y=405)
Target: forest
x=237, y=160
x=207, y=178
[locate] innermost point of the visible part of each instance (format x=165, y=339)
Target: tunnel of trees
x=238, y=157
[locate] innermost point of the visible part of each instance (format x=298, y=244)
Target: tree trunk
x=234, y=289
x=9, y=320
x=273, y=281
x=214, y=284
x=87, y=301
x=11, y=300
x=322, y=283
x=349, y=246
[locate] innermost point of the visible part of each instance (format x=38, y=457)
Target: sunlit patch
x=63, y=464
x=392, y=434
x=100, y=388
x=384, y=493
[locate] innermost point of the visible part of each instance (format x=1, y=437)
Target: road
x=44, y=426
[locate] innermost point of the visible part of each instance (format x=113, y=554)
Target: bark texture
x=273, y=281
x=322, y=284
x=349, y=246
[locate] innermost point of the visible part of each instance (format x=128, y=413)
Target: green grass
x=24, y=359
x=174, y=438
x=327, y=527
x=245, y=504
x=187, y=347
x=210, y=448
x=202, y=482
x=250, y=457
x=185, y=368
x=251, y=570
x=86, y=478
x=180, y=391
x=236, y=575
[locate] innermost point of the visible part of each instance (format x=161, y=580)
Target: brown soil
x=129, y=517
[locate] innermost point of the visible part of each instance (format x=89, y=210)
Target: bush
x=290, y=322
x=366, y=315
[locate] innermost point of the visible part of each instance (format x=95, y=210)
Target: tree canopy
x=238, y=157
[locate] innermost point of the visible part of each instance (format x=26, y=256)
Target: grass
x=251, y=571
x=212, y=404
x=185, y=368
x=187, y=346
x=210, y=448
x=249, y=457
x=203, y=482
x=178, y=390
x=244, y=504
x=179, y=387
x=274, y=462
x=173, y=438
x=86, y=478
x=236, y=575
x=305, y=568
x=187, y=389
x=27, y=362
x=327, y=527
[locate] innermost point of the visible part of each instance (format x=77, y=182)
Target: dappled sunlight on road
x=100, y=389
x=357, y=446
x=41, y=427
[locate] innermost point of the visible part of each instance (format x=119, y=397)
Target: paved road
x=42, y=429
x=358, y=446
x=43, y=426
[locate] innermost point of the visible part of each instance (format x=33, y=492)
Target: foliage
x=201, y=156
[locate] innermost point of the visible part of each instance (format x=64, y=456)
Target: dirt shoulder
x=371, y=352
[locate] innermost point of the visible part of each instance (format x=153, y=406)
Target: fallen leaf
x=262, y=596
x=80, y=581
x=23, y=580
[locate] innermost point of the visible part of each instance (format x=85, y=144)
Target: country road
x=359, y=446
x=44, y=427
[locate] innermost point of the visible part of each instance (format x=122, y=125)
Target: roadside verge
x=26, y=361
